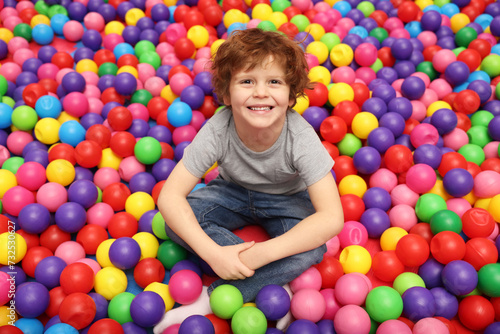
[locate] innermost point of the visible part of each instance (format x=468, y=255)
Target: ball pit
x=406, y=102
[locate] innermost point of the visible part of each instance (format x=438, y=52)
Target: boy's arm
x=310, y=233
x=179, y=216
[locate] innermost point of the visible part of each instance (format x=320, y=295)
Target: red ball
x=471, y=12
x=77, y=310
x=100, y=134
x=167, y=152
x=115, y=195
x=179, y=69
x=147, y=271
x=120, y=118
x=62, y=151
x=53, y=236
x=32, y=257
x=412, y=250
x=330, y=270
x=9, y=329
x=495, y=301
x=447, y=246
x=57, y=295
x=289, y=29
x=193, y=18
x=352, y=206
x=477, y=222
x=156, y=190
x=122, y=224
x=209, y=106
x=430, y=51
x=379, y=16
x=423, y=230
x=361, y=93
x=233, y=4
x=88, y=153
x=333, y=129
x=471, y=58
x=450, y=98
x=156, y=105
x=32, y=240
x=451, y=160
x=106, y=326
x=398, y=158
x=180, y=12
x=310, y=14
x=408, y=11
x=386, y=265
x=111, y=95
x=127, y=60
x=252, y=233
x=63, y=60
x=318, y=95
x=480, y=251
x=291, y=11
x=32, y=93
x=221, y=326
x=332, y=150
x=122, y=143
x=104, y=56
x=90, y=237
x=491, y=164
x=386, y=57
x=184, y=48
x=482, y=46
x=346, y=110
x=49, y=84
x=467, y=101
x=473, y=168
x=27, y=14
x=204, y=4
x=344, y=166
x=77, y=277
x=476, y=312
x=410, y=124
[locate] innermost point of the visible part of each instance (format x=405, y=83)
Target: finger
x=246, y=245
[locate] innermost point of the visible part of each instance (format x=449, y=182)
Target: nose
x=260, y=90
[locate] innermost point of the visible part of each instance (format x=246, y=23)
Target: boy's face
x=259, y=98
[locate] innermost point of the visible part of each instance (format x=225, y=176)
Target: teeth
x=260, y=108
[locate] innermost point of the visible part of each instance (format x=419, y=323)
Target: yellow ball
x=110, y=282
x=470, y=197
x=109, y=159
x=163, y=291
x=434, y=106
x=302, y=104
x=138, y=203
x=215, y=46
x=232, y=16
x=60, y=171
x=114, y=27
x=128, y=69
x=318, y=49
x=494, y=207
x=423, y=3
x=278, y=19
x=340, y=92
x=341, y=55
x=316, y=30
x=352, y=184
x=133, y=15
x=47, y=130
x=355, y=259
x=167, y=94
x=7, y=180
x=390, y=237
x=252, y=304
x=86, y=65
x=6, y=35
x=102, y=253
x=64, y=117
x=482, y=203
x=458, y=21
x=39, y=19
x=8, y=315
x=438, y=189
x=148, y=243
x=198, y=35
x=363, y=123
x=320, y=74
x=262, y=11
x=13, y=248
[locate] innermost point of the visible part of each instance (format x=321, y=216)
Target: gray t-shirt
x=295, y=161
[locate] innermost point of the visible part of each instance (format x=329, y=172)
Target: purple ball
x=160, y=133
x=31, y=65
x=444, y=120
x=368, y=23
x=404, y=140
x=34, y=218
x=4, y=50
x=204, y=81
x=430, y=272
x=31, y=299
x=377, y=197
x=456, y=73
x=494, y=128
x=304, y=38
x=46, y=52
x=15, y=271
x=271, y=330
x=447, y=42
x=444, y=31
x=404, y=68
x=107, y=11
x=162, y=168
x=108, y=106
x=189, y=63
x=123, y=8
x=48, y=271
x=303, y=326
x=77, y=11
x=139, y=128
x=493, y=328
x=146, y=221
x=73, y=82
x=381, y=139
x=26, y=78
x=37, y=155
x=416, y=58
x=145, y=23
x=124, y=253
x=160, y=12
x=273, y=300
x=125, y=84
x=83, y=174
x=413, y=88
x=71, y=217
x=315, y=116
x=326, y=326
x=142, y=181
x=418, y=303
x=458, y=182
x=385, y=92
x=90, y=119
x=196, y=324
x=428, y=154
x=493, y=107
x=373, y=41
x=367, y=160
x=375, y=106
x=376, y=222
x=356, y=15
x=105, y=82
x=388, y=41
x=186, y=265
x=92, y=39
x=495, y=26
x=388, y=74
x=459, y=277
x=194, y=96
x=101, y=305
x=401, y=49
x=353, y=40
x=150, y=35
x=482, y=88
x=394, y=122
x=147, y=308
x=132, y=328
x=162, y=72
x=446, y=303
x=131, y=34
x=83, y=192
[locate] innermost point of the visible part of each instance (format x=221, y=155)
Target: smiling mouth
x=267, y=108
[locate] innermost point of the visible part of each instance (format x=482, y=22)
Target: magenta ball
x=309, y=279
x=52, y=195
x=365, y=54
x=487, y=184
x=393, y=326
x=308, y=304
x=421, y=178
x=424, y=134
x=352, y=319
x=185, y=286
x=353, y=233
x=430, y=326
x=15, y=199
x=351, y=289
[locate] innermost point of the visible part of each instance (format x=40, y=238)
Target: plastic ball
x=185, y=286
x=420, y=178
x=274, y=301
x=124, y=253
x=429, y=324
x=196, y=323
x=308, y=304
x=398, y=158
x=26, y=293
x=476, y=312
x=225, y=300
x=412, y=250
x=110, y=282
x=147, y=308
x=459, y=277
x=355, y=258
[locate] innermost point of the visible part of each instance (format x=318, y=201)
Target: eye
x=275, y=82
x=246, y=81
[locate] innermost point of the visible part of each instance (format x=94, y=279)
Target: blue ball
x=5, y=115
x=42, y=34
x=48, y=106
x=30, y=326
x=122, y=49
x=61, y=328
x=57, y=23
x=179, y=114
x=72, y=133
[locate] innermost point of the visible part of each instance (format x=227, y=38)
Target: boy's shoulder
x=297, y=123
x=220, y=120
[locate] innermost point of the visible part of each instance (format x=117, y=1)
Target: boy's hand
x=226, y=262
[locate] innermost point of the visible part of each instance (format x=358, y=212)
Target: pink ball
x=487, y=184
x=332, y=246
x=455, y=139
x=31, y=175
x=393, y=23
x=441, y=87
x=100, y=214
x=308, y=304
x=52, y=195
x=94, y=21
x=353, y=233
x=323, y=19
x=419, y=110
x=179, y=81
x=70, y=251
x=139, y=111
x=211, y=175
x=15, y=199
x=103, y=177
x=47, y=71
x=343, y=74
x=76, y=104
x=8, y=12
x=393, y=326
x=352, y=319
x=401, y=194
x=420, y=178
x=21, y=55
x=458, y=205
x=170, y=59
x=174, y=329
x=403, y=215
x=309, y=279
x=201, y=65
x=491, y=149
x=339, y=31
x=396, y=84
x=400, y=33
x=10, y=71
x=17, y=140
x=366, y=74
x=488, y=38
x=302, y=5
x=23, y=5
x=203, y=53
x=424, y=134
x=429, y=97
x=130, y=166
x=312, y=60
x=4, y=154
x=11, y=22
x=494, y=234
x=95, y=105
x=331, y=303
x=346, y=24
x=73, y=31
x=93, y=264
x=253, y=23
x=183, y=133
x=91, y=78
x=110, y=41
x=5, y=287
x=442, y=59
x=425, y=78
x=427, y=38
x=145, y=71
x=154, y=85
x=430, y=326
x=174, y=32
x=351, y=289
x=197, y=120
x=61, y=73
x=92, y=91
x=383, y=178
x=365, y=54
x=164, y=48
x=185, y=286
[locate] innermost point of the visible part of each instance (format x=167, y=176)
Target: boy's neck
x=259, y=140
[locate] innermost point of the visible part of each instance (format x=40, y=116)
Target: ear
x=292, y=102
x=227, y=100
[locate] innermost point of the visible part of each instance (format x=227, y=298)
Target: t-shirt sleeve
x=202, y=152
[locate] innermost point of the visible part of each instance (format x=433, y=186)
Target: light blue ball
x=29, y=326
x=5, y=115
x=48, y=106
x=72, y=133
x=179, y=114
x=42, y=34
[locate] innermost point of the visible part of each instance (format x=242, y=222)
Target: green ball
x=225, y=300
x=330, y=39
x=473, y=153
x=497, y=91
x=407, y=280
x=479, y=135
x=119, y=307
x=379, y=33
x=99, y=195
x=6, y=99
x=445, y=220
x=151, y=58
x=23, y=30
x=280, y=5
x=349, y=145
x=481, y=117
x=427, y=68
x=489, y=279
x=3, y=86
x=24, y=118
x=491, y=65
x=266, y=26
x=366, y=7
x=147, y=150
x=377, y=65
x=441, y=3
x=41, y=7
x=458, y=50
x=141, y=96
x=464, y=36
x=158, y=226
x=384, y=303
x=427, y=205
x=56, y=9
x=107, y=68
x=301, y=22
x=169, y=253
x=13, y=164
x=249, y=319
x=144, y=46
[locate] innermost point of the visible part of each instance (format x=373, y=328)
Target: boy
x=273, y=171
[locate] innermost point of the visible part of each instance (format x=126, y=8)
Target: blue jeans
x=222, y=207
